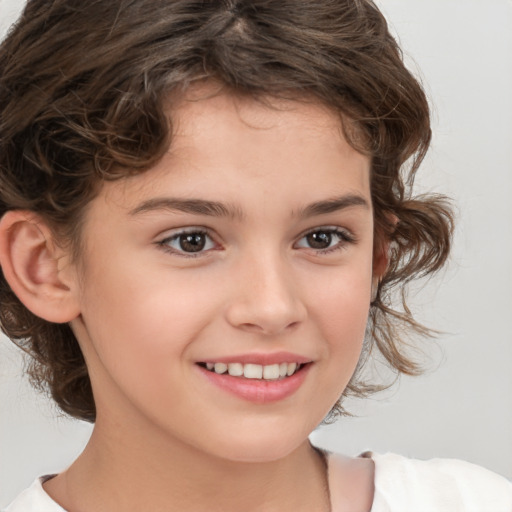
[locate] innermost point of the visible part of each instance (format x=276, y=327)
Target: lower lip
x=257, y=390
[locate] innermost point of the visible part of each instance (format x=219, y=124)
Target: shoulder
x=440, y=485
x=34, y=499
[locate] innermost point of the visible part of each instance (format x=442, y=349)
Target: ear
x=37, y=269
x=380, y=258
x=381, y=252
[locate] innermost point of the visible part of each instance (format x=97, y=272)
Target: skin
x=148, y=312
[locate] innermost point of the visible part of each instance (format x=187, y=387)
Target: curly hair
x=83, y=87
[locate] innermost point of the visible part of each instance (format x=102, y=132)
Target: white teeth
x=236, y=369
x=271, y=371
x=291, y=368
x=253, y=371
x=220, y=367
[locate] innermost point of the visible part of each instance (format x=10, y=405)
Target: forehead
x=205, y=114
x=223, y=142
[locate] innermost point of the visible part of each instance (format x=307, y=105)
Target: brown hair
x=82, y=89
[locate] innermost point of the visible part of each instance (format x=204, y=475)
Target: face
x=224, y=293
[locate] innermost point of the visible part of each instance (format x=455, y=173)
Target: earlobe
x=35, y=267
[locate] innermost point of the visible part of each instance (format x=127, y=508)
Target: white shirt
x=401, y=485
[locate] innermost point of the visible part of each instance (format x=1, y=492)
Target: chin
x=261, y=452
x=258, y=444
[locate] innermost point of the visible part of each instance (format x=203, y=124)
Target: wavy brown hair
x=83, y=84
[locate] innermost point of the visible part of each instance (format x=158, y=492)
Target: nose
x=265, y=298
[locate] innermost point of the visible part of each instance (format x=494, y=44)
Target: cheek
x=135, y=315
x=138, y=331
x=339, y=309
x=341, y=314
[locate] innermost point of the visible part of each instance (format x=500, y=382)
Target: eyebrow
x=193, y=206
x=217, y=209
x=333, y=205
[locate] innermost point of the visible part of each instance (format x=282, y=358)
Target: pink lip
x=256, y=390
x=261, y=358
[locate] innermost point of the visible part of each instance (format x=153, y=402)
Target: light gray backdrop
x=463, y=408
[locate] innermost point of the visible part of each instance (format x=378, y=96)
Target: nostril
x=251, y=327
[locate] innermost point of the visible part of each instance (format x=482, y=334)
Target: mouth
x=258, y=378
x=269, y=372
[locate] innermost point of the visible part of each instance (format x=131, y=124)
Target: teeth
x=291, y=368
x=236, y=369
x=220, y=367
x=255, y=371
x=271, y=371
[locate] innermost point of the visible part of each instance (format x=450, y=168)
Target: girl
x=205, y=212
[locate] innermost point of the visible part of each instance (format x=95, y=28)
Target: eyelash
x=344, y=236
x=164, y=244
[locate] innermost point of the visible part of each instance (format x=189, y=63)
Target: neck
x=123, y=472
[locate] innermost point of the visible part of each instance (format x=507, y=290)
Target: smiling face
x=245, y=254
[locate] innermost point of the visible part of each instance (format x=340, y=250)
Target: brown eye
x=325, y=240
x=188, y=242
x=319, y=239
x=192, y=242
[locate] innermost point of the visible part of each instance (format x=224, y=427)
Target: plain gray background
x=462, y=407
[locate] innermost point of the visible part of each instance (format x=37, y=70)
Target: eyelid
x=345, y=234
x=173, y=234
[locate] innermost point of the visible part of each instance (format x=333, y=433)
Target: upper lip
x=261, y=358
